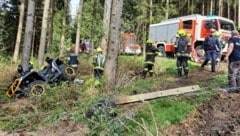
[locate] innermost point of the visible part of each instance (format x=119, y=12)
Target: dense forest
x=135, y=18
x=33, y=30
x=38, y=28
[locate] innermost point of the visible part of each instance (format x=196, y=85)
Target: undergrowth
x=69, y=102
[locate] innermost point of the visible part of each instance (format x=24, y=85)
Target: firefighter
x=211, y=43
x=151, y=53
x=98, y=63
x=182, y=50
x=217, y=34
x=73, y=59
x=233, y=60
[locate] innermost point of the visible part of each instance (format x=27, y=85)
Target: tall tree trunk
x=106, y=24
x=62, y=44
x=50, y=26
x=167, y=9
x=220, y=7
x=228, y=9
x=188, y=6
x=79, y=20
x=93, y=23
x=150, y=11
x=33, y=37
x=114, y=43
x=19, y=33
x=193, y=7
x=235, y=11
x=203, y=7
x=41, y=50
x=28, y=35
x=211, y=6
x=238, y=12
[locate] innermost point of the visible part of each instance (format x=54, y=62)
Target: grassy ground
x=69, y=102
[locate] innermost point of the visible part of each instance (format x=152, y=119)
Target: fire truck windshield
x=225, y=25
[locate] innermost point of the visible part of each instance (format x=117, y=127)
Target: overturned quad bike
x=32, y=83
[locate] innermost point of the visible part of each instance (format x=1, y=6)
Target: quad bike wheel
x=37, y=88
x=68, y=72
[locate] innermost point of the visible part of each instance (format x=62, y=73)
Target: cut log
x=154, y=95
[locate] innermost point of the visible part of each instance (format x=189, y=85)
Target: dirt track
x=218, y=117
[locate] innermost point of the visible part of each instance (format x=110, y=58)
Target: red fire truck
x=197, y=26
x=129, y=44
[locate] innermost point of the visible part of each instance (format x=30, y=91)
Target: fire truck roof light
x=210, y=15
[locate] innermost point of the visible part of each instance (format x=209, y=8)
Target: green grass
x=69, y=102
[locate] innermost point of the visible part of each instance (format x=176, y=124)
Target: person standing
x=217, y=34
x=98, y=63
x=182, y=50
x=211, y=43
x=73, y=60
x=233, y=60
x=151, y=53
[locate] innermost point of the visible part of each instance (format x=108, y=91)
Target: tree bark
x=167, y=9
x=19, y=33
x=203, y=7
x=238, y=12
x=106, y=24
x=79, y=20
x=220, y=7
x=235, y=11
x=114, y=43
x=62, y=44
x=211, y=6
x=50, y=26
x=228, y=9
x=28, y=35
x=150, y=11
x=41, y=50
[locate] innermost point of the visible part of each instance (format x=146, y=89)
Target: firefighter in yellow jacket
x=182, y=50
x=151, y=53
x=98, y=63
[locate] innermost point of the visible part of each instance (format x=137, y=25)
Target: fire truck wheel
x=162, y=52
x=200, y=52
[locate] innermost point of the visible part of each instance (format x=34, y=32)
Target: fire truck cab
x=197, y=26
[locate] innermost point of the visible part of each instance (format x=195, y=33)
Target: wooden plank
x=153, y=95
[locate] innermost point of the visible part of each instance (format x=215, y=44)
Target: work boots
x=151, y=74
x=185, y=73
x=179, y=74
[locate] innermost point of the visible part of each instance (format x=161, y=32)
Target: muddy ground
x=218, y=117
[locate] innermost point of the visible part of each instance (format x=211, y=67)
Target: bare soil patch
x=220, y=116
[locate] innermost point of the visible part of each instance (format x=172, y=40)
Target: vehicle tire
x=37, y=88
x=68, y=73
x=162, y=52
x=200, y=52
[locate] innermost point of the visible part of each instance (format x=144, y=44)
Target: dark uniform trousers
x=148, y=67
x=234, y=74
x=182, y=65
x=151, y=53
x=73, y=61
x=211, y=55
